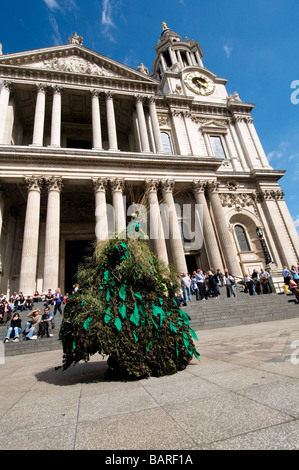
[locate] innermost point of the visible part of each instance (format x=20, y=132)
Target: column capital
x=99, y=184
x=109, y=94
x=54, y=183
x=199, y=186
x=41, y=87
x=7, y=84
x=167, y=185
x=57, y=89
x=33, y=183
x=140, y=98
x=212, y=186
x=152, y=185
x=95, y=92
x=117, y=185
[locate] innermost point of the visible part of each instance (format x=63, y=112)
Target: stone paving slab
x=241, y=394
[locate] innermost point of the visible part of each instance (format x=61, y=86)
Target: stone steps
x=242, y=310
x=206, y=314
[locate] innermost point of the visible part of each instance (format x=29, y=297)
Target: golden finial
x=164, y=25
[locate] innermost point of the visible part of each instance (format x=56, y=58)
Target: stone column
x=112, y=136
x=99, y=185
x=175, y=238
x=289, y=224
x=156, y=233
x=119, y=207
x=39, y=118
x=2, y=206
x=155, y=126
x=30, y=239
x=96, y=120
x=142, y=124
x=209, y=237
x=225, y=237
x=56, y=117
x=52, y=237
x=4, y=100
x=277, y=227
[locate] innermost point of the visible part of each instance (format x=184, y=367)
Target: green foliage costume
x=125, y=308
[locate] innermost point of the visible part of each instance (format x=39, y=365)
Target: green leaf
x=122, y=292
x=193, y=334
x=135, y=315
x=87, y=323
x=118, y=323
x=173, y=327
x=138, y=296
x=135, y=337
x=122, y=309
x=150, y=344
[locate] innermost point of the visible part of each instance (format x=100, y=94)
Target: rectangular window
x=217, y=146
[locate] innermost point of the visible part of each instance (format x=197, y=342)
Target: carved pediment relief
x=74, y=58
x=76, y=64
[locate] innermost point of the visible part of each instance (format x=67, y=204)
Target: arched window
x=242, y=238
x=166, y=143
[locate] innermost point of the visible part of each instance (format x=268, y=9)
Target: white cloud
x=280, y=152
x=296, y=223
x=109, y=8
x=228, y=51
x=107, y=14
x=56, y=34
x=52, y=4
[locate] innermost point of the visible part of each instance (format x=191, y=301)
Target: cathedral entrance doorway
x=75, y=252
x=192, y=264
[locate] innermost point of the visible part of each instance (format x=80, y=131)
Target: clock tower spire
x=174, y=54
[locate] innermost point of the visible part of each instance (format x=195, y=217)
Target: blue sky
x=255, y=45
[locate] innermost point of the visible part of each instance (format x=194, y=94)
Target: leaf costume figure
x=125, y=308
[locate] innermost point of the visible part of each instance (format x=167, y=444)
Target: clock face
x=199, y=83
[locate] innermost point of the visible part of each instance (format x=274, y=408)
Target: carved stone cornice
x=270, y=195
x=237, y=119
x=237, y=200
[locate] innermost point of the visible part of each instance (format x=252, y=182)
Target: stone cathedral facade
x=80, y=132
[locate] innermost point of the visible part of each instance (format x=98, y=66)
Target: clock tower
x=179, y=68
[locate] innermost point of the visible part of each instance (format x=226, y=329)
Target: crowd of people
x=38, y=324
x=205, y=284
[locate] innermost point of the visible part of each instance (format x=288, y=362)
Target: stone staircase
x=205, y=314
x=31, y=346
x=241, y=310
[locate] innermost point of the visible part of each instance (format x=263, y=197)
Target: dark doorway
x=191, y=263
x=75, y=252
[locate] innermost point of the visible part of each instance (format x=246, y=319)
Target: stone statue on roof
x=75, y=39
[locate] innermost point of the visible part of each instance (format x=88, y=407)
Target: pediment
x=210, y=125
x=74, y=59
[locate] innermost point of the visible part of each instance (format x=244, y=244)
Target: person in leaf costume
x=125, y=308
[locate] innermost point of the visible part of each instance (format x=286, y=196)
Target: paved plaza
x=242, y=394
